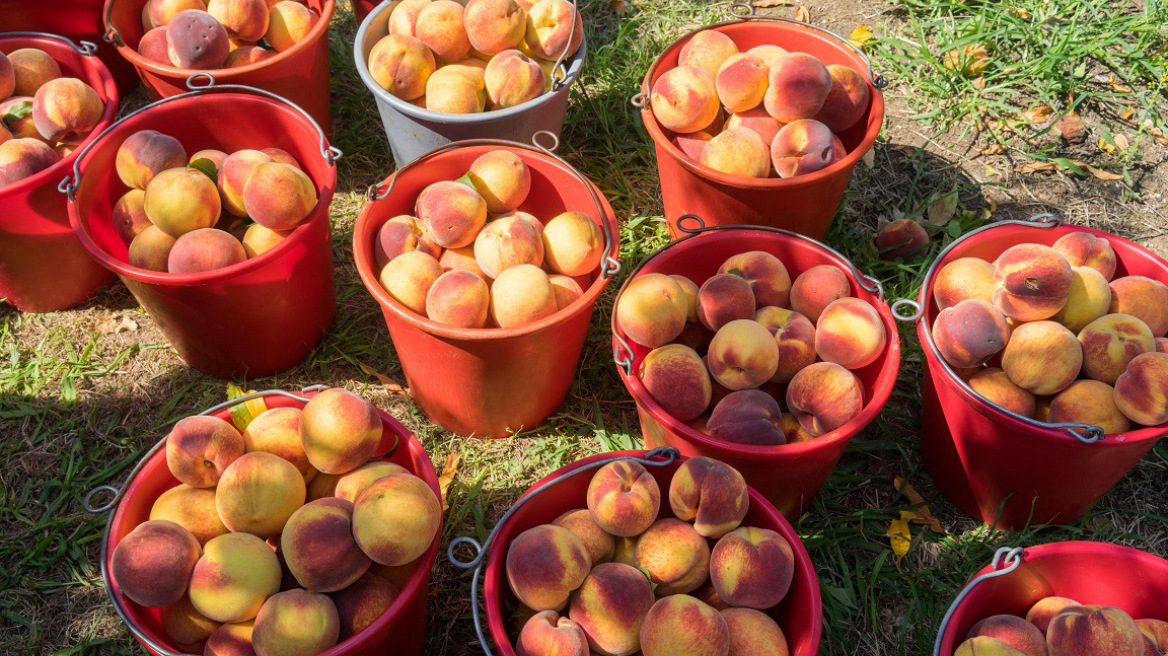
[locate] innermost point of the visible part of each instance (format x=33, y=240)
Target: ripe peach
x=396, y=519
x=351, y=484
x=258, y=492
x=685, y=99
x=20, y=128
x=196, y=40
x=799, y=87
x=7, y=76
x=153, y=563
x=743, y=354
x=192, y=508
x=402, y=65
x=5, y=134
x=850, y=333
x=66, y=109
x=236, y=573
x=1094, y=630
x=259, y=239
x=681, y=624
x=548, y=634
x=1044, y=610
x=459, y=298
x=181, y=200
x=500, y=176
x=494, y=25
x=692, y=145
x=409, y=277
x=1012, y=630
x=737, y=151
x=150, y=249
x=1031, y=282
x=521, y=295
x=544, y=565
x=690, y=293
x=160, y=12
x=964, y=279
x=747, y=417
x=512, y=78
x=985, y=646
x=145, y=154
x=31, y=69
x=455, y=89
x=652, y=309
x=707, y=50
x=246, y=20
x=801, y=147
x=623, y=549
x=752, y=567
x=339, y=431
x=1089, y=299
x=155, y=46
x=970, y=333
x=1111, y=342
x=22, y=158
x=1086, y=250
x=847, y=100
x=1144, y=298
x=796, y=339
x=793, y=430
x=403, y=20
x=248, y=55
x=554, y=29
x=902, y=239
x=997, y=388
x=816, y=288
x=289, y=23
x=1141, y=392
x=360, y=604
x=185, y=625
x=723, y=298
x=318, y=546
x=440, y=26
x=199, y=449
x=567, y=290
x=453, y=213
x=1042, y=357
x=296, y=623
x=204, y=249
x=675, y=376
x=824, y=396
x=573, y=244
x=233, y=175
x=742, y=82
x=610, y=606
x=754, y=633
x=767, y=52
x=279, y=196
x=129, y=215
x=402, y=234
x=507, y=242
x=1162, y=344
x=758, y=121
x=623, y=498
x=675, y=556
x=1155, y=634
x=600, y=544
x=1089, y=402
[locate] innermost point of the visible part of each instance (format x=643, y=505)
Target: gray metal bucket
x=413, y=131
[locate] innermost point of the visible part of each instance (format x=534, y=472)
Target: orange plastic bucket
x=488, y=382
x=804, y=204
x=789, y=475
x=982, y=457
x=43, y=268
x=300, y=74
x=400, y=629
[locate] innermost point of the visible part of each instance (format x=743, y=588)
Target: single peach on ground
x=1141, y=392
x=512, y=78
x=801, y=147
x=692, y=145
x=459, y=298
x=1089, y=402
x=501, y=177
x=1087, y=250
x=567, y=290
x=824, y=396
x=1094, y=630
x=199, y=449
x=236, y=573
x=205, y=249
x=258, y=492
x=360, y=604
x=181, y=200
x=1031, y=282
x=396, y=519
x=850, y=333
x=289, y=23
x=1042, y=357
x=31, y=69
x=747, y=417
x=707, y=50
x=196, y=41
x=150, y=249
x=743, y=354
x=675, y=556
x=185, y=625
x=409, y=277
x=818, y=287
x=547, y=633
x=1044, y=610
x=402, y=65
x=963, y=279
x=752, y=567
x=507, y=242
x=610, y=606
x=145, y=154
x=600, y=544
x=153, y=563
x=902, y=239
x=192, y=508
x=681, y=624
x=799, y=87
x=66, y=109
x=652, y=309
x=296, y=623
x=737, y=151
x=554, y=29
x=545, y=564
x=339, y=430
x=453, y=213
x=756, y=120
x=742, y=82
x=1089, y=299
x=723, y=298
x=996, y=387
x=623, y=498
x=796, y=339
x=1111, y=342
x=685, y=99
x=318, y=546
x=1144, y=298
x=675, y=376
x=521, y=295
x=970, y=333
x=1012, y=630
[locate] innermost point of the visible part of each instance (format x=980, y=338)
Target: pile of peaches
x=754, y=112
x=488, y=55
x=284, y=539
x=212, y=34
x=1050, y=333
x=1059, y=626
x=749, y=339
x=614, y=579
x=210, y=212
x=503, y=273
x=43, y=114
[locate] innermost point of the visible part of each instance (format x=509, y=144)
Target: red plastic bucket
x=401, y=628
x=43, y=268
x=800, y=614
x=251, y=319
x=804, y=204
x=981, y=457
x=76, y=19
x=300, y=74
x=789, y=476
x=362, y=8
x=1088, y=572
x=488, y=382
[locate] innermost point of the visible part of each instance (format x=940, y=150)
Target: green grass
x=80, y=403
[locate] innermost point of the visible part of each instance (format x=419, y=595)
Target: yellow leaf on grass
x=388, y=383
x=1106, y=146
x=861, y=36
x=924, y=514
x=802, y=14
x=447, y=477
x=900, y=535
x=1128, y=112
x=1039, y=114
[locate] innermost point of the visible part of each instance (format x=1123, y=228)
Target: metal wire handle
x=622, y=354
x=111, y=34
x=560, y=69
x=86, y=48
x=1007, y=559
x=659, y=457
x=330, y=153
x=610, y=266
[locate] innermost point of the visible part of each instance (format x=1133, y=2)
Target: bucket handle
x=111, y=34
x=152, y=644
x=1085, y=433
x=330, y=153
x=609, y=267
x=659, y=457
x=86, y=48
x=560, y=68
x=1006, y=560
x=622, y=354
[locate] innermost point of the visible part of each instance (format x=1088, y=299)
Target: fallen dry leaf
x=900, y=535
x=388, y=383
x=971, y=60
x=802, y=14
x=861, y=36
x=447, y=476
x=1072, y=128
x=1128, y=112
x=943, y=209
x=1035, y=167
x=1117, y=86
x=1121, y=142
x=1156, y=133
x=619, y=6
x=924, y=514
x=993, y=149
x=117, y=325
x=992, y=202
x=979, y=83
x=1036, y=115
x=869, y=158
x=1100, y=173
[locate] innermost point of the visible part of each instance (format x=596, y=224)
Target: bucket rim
x=486, y=117
x=847, y=163
x=320, y=213
x=108, y=94
x=112, y=36
x=872, y=407
x=362, y=246
x=1047, y=431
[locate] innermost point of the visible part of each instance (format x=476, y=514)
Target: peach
x=799, y=87
x=453, y=213
x=360, y=604
x=1141, y=392
x=674, y=555
x=752, y=567
x=409, y=277
x=153, y=563
x=185, y=625
x=793, y=430
x=1144, y=298
x=756, y=120
x=970, y=333
x=279, y=196
x=521, y=295
x=652, y=309
x=155, y=46
x=685, y=100
x=459, y=298
x=1042, y=357
x=610, y=606
x=754, y=633
x=742, y=82
x=339, y=431
x=399, y=235
x=567, y=290
x=690, y=291
x=282, y=156
x=1162, y=344
x=624, y=549
x=1155, y=633
x=181, y=200
x=573, y=244
x=743, y=354
x=681, y=624
x=216, y=157
x=707, y=50
x=600, y=544
x=402, y=65
x=1086, y=250
x=902, y=239
x=548, y=634
x=1094, y=630
x=196, y=40
x=723, y=298
x=553, y=30
x=403, y=20
x=1031, y=282
x=258, y=239
x=747, y=417
x=248, y=55
x=258, y=492
x=32, y=68
x=461, y=259
x=1012, y=630
x=7, y=77
x=233, y=175
x=66, y=109
x=23, y=127
x=846, y=101
x=850, y=333
x=289, y=23
x=246, y=20
x=500, y=176
x=795, y=336
x=824, y=396
x=1111, y=342
x=675, y=376
x=1089, y=299
x=767, y=52
x=145, y=154
x=737, y=151
x=205, y=249
x=396, y=519
x=350, y=485
x=495, y=25
x=818, y=287
x=129, y=215
x=22, y=158
x=692, y=145
x=199, y=450
x=507, y=242
x=544, y=565
x=318, y=546
x=512, y=78
x=803, y=146
x=1089, y=402
x=985, y=646
x=455, y=89
x=623, y=498
x=440, y=26
x=1044, y=610
x=296, y=623
x=6, y=135
x=150, y=249
x=192, y=508
x=996, y=387
x=160, y=12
